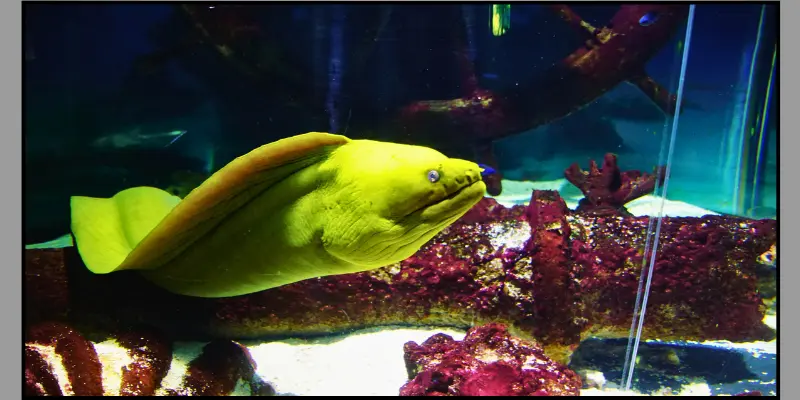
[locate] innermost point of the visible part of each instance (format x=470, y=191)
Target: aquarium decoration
x=531, y=284
x=481, y=116
x=220, y=366
x=501, y=19
x=550, y=274
x=488, y=362
x=607, y=189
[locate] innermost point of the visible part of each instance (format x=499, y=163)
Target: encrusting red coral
x=549, y=273
x=216, y=371
x=81, y=363
x=488, y=362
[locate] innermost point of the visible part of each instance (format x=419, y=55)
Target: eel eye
x=433, y=176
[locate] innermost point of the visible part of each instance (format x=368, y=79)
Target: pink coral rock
x=488, y=362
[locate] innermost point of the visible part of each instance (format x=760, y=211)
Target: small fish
x=490, y=75
x=501, y=19
x=175, y=135
x=487, y=170
x=672, y=357
x=649, y=18
x=770, y=257
x=134, y=138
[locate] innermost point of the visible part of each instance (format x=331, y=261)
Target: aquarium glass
x=285, y=198
x=735, y=145
x=724, y=159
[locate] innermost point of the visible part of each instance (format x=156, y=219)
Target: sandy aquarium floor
x=370, y=362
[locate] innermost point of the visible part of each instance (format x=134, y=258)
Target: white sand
x=363, y=363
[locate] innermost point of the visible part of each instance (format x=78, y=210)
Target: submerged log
x=552, y=275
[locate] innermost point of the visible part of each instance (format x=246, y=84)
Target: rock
x=61, y=361
x=488, y=362
x=551, y=274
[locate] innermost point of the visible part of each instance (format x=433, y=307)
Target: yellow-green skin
x=355, y=207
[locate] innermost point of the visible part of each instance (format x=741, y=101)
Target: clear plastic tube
x=631, y=360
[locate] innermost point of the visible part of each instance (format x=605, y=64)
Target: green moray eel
x=307, y=206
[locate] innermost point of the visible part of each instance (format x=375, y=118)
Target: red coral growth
x=607, y=190
x=692, y=268
x=553, y=280
x=80, y=360
x=489, y=210
x=561, y=273
x=152, y=355
x=488, y=362
x=703, y=277
x=219, y=368
x=40, y=380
